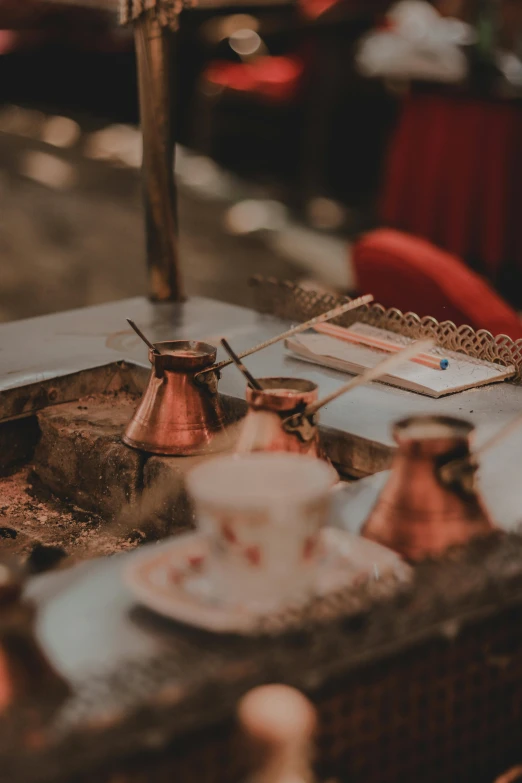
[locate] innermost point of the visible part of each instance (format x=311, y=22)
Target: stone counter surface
x=61, y=357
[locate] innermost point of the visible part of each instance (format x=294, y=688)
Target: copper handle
x=303, y=425
x=500, y=435
x=336, y=311
x=373, y=373
x=462, y=470
x=252, y=382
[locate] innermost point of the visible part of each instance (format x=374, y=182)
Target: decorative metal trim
x=291, y=302
x=166, y=12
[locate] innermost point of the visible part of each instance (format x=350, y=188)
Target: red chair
x=453, y=176
x=412, y=274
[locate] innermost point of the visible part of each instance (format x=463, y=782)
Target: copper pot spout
x=177, y=415
x=425, y=507
x=280, y=398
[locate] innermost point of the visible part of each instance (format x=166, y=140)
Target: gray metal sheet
x=61, y=344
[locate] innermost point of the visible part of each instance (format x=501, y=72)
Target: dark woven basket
x=444, y=711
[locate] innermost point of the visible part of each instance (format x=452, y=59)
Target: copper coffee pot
x=270, y=402
x=289, y=408
x=29, y=685
x=276, y=401
x=283, y=412
x=177, y=415
x=181, y=411
x=430, y=501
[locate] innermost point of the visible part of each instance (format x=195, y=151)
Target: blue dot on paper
x=444, y=364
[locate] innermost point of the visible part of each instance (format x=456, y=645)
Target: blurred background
x=304, y=129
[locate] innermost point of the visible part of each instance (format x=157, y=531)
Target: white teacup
x=262, y=513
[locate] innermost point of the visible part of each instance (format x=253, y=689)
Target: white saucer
x=170, y=578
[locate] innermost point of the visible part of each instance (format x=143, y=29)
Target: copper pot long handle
x=507, y=429
x=336, y=311
x=373, y=373
x=463, y=468
x=252, y=382
x=142, y=337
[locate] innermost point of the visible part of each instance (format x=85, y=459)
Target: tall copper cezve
x=280, y=398
x=430, y=501
x=177, y=415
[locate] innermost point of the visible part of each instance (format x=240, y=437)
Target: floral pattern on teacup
x=253, y=555
x=227, y=531
x=310, y=546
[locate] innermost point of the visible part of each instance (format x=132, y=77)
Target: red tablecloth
x=454, y=176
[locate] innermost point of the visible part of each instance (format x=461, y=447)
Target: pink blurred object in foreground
x=15, y=40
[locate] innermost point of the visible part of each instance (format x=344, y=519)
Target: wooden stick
x=241, y=367
x=452, y=470
x=142, y=337
x=336, y=311
x=503, y=432
x=373, y=373
x=340, y=333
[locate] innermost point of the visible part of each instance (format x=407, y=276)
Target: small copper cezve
x=281, y=398
x=430, y=501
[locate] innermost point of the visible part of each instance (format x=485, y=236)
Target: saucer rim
x=182, y=606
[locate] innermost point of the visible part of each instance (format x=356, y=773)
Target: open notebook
x=464, y=372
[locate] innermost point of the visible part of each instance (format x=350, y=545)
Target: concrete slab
x=80, y=455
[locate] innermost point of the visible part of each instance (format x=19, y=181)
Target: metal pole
x=155, y=57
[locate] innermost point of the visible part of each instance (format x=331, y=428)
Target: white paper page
x=463, y=372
